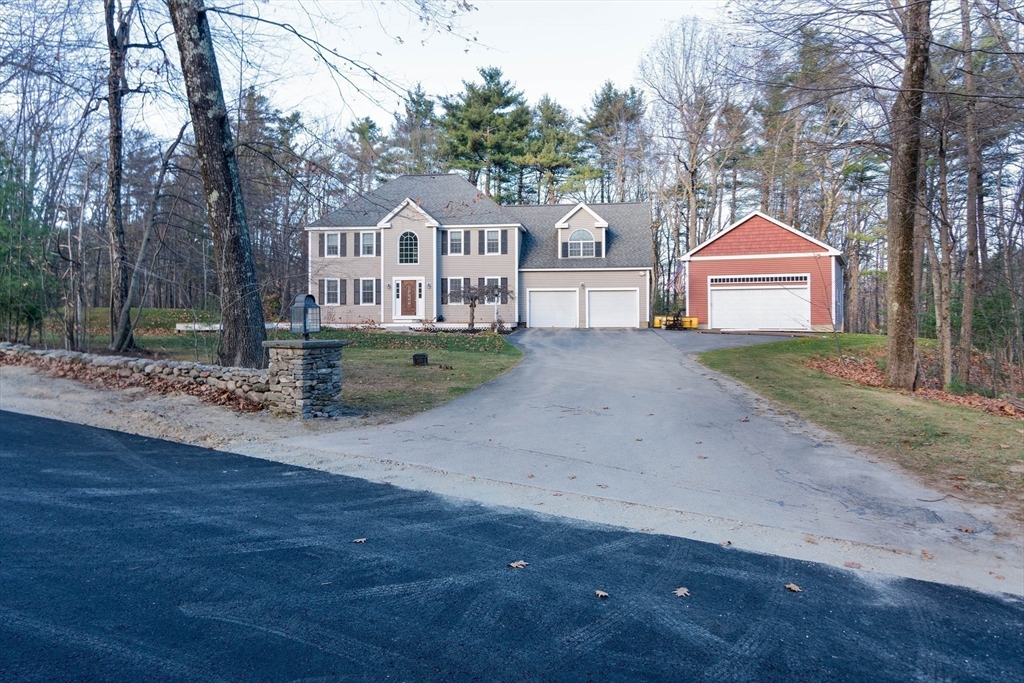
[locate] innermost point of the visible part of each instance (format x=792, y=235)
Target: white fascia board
x=386, y=221
x=750, y=257
x=598, y=221
x=579, y=270
x=832, y=251
x=338, y=228
x=459, y=226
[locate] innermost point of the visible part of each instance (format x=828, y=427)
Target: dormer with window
x=581, y=234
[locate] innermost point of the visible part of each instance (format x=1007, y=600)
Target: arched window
x=581, y=243
x=408, y=248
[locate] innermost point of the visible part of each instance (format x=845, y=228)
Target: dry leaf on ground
x=359, y=540
x=572, y=476
x=997, y=577
x=647, y=528
x=926, y=555
x=681, y=592
x=794, y=588
x=602, y=486
x=725, y=544
x=746, y=419
x=529, y=476
x=702, y=457
x=601, y=594
x=518, y=564
x=852, y=565
x=965, y=529
x=809, y=539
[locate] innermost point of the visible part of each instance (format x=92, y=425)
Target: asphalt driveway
x=628, y=416
x=133, y=559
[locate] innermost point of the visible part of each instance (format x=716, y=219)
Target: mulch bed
x=865, y=371
x=157, y=385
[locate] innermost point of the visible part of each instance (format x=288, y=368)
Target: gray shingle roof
x=449, y=198
x=628, y=235
x=452, y=200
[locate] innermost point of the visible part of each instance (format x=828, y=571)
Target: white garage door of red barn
x=759, y=302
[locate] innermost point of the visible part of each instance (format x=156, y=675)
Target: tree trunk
x=973, y=171
x=943, y=293
x=117, y=45
x=124, y=325
x=240, y=309
x=901, y=369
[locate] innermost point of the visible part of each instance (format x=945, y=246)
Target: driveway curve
x=629, y=422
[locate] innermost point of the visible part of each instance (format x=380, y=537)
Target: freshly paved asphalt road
x=627, y=416
x=126, y=558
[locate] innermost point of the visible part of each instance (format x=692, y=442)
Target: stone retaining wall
x=244, y=382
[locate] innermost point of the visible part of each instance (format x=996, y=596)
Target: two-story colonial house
x=406, y=251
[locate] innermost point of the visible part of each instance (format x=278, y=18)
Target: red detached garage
x=761, y=274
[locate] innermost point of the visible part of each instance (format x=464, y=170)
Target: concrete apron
x=610, y=427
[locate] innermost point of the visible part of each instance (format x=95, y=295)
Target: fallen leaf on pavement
x=605, y=408
x=359, y=540
x=698, y=442
x=601, y=594
x=647, y=528
x=703, y=457
x=998, y=577
x=926, y=555
x=808, y=539
x=518, y=564
x=572, y=476
x=638, y=439
x=529, y=476
x=965, y=529
x=852, y=565
x=794, y=588
x=556, y=494
x=725, y=544
x=746, y=419
x=602, y=486
x=681, y=592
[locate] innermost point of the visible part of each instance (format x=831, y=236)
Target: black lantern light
x=305, y=316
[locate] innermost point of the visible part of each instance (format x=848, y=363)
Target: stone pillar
x=305, y=377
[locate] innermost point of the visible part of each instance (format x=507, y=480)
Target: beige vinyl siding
x=596, y=279
x=581, y=220
x=409, y=220
x=345, y=268
x=476, y=266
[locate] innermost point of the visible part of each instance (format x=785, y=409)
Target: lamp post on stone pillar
x=305, y=374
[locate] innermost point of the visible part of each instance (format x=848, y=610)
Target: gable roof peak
x=598, y=221
x=386, y=221
x=832, y=251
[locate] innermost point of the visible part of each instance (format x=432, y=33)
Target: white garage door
x=552, y=309
x=613, y=308
x=761, y=308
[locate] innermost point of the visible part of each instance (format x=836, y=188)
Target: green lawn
x=378, y=375
x=961, y=451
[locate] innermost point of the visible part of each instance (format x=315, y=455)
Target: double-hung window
x=366, y=289
x=331, y=247
x=492, y=283
x=455, y=291
x=581, y=244
x=493, y=241
x=331, y=296
x=455, y=242
x=367, y=244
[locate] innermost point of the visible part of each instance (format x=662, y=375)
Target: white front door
x=613, y=308
x=552, y=308
x=761, y=308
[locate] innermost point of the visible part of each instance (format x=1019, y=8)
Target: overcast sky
x=566, y=49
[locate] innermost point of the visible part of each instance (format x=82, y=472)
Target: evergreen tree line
x=784, y=109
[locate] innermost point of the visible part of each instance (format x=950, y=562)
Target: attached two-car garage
x=603, y=308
